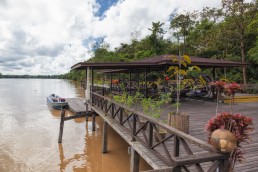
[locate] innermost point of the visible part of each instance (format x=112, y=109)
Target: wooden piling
x=105, y=137
x=135, y=161
x=87, y=112
x=93, y=121
x=61, y=126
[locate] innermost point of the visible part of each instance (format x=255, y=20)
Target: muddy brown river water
x=29, y=132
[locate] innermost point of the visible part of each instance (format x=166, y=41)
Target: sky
x=39, y=37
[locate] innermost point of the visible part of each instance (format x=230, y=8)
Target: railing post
x=112, y=109
x=61, y=126
x=105, y=137
x=176, y=146
x=224, y=166
x=121, y=116
x=150, y=134
x=134, y=127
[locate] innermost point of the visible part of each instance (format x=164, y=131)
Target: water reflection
x=29, y=132
x=90, y=158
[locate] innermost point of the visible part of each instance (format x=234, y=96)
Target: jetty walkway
x=177, y=151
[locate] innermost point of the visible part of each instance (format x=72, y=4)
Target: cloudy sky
x=48, y=37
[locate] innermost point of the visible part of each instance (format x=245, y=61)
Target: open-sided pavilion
x=155, y=63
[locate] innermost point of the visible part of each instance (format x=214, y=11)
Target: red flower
x=231, y=88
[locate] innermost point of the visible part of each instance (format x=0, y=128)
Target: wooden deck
x=76, y=105
x=200, y=113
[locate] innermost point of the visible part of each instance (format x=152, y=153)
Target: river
x=29, y=132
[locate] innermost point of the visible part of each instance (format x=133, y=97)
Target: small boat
x=56, y=102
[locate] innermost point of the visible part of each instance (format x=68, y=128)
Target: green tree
x=156, y=36
x=242, y=14
x=182, y=24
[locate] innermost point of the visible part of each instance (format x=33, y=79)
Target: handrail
x=164, y=126
x=129, y=119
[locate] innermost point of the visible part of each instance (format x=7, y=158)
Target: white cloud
x=47, y=37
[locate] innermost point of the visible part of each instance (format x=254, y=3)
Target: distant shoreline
x=32, y=76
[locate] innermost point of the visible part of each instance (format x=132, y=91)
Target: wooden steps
x=241, y=99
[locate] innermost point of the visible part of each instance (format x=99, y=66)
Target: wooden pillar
x=93, y=122
x=92, y=86
x=87, y=90
x=138, y=80
x=130, y=84
x=135, y=161
x=214, y=73
x=105, y=137
x=145, y=81
x=225, y=72
x=87, y=112
x=111, y=77
x=61, y=126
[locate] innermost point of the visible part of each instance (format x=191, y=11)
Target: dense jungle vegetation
x=227, y=33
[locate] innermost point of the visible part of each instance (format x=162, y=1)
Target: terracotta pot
x=223, y=140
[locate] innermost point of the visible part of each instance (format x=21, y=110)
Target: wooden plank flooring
x=76, y=105
x=200, y=113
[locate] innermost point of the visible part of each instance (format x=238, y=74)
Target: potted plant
x=239, y=125
x=177, y=119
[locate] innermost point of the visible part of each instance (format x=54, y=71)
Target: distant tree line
x=34, y=76
x=229, y=32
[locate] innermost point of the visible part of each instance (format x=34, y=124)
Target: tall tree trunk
x=242, y=45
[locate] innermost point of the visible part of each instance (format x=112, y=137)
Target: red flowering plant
x=219, y=85
x=230, y=90
x=239, y=125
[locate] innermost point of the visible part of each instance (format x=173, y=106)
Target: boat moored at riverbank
x=56, y=102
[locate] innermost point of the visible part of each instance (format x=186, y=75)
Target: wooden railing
x=177, y=149
x=249, y=88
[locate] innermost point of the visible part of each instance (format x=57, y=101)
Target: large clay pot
x=223, y=140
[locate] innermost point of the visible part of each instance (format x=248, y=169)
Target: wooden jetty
x=177, y=151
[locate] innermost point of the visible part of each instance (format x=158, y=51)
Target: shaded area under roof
x=157, y=62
